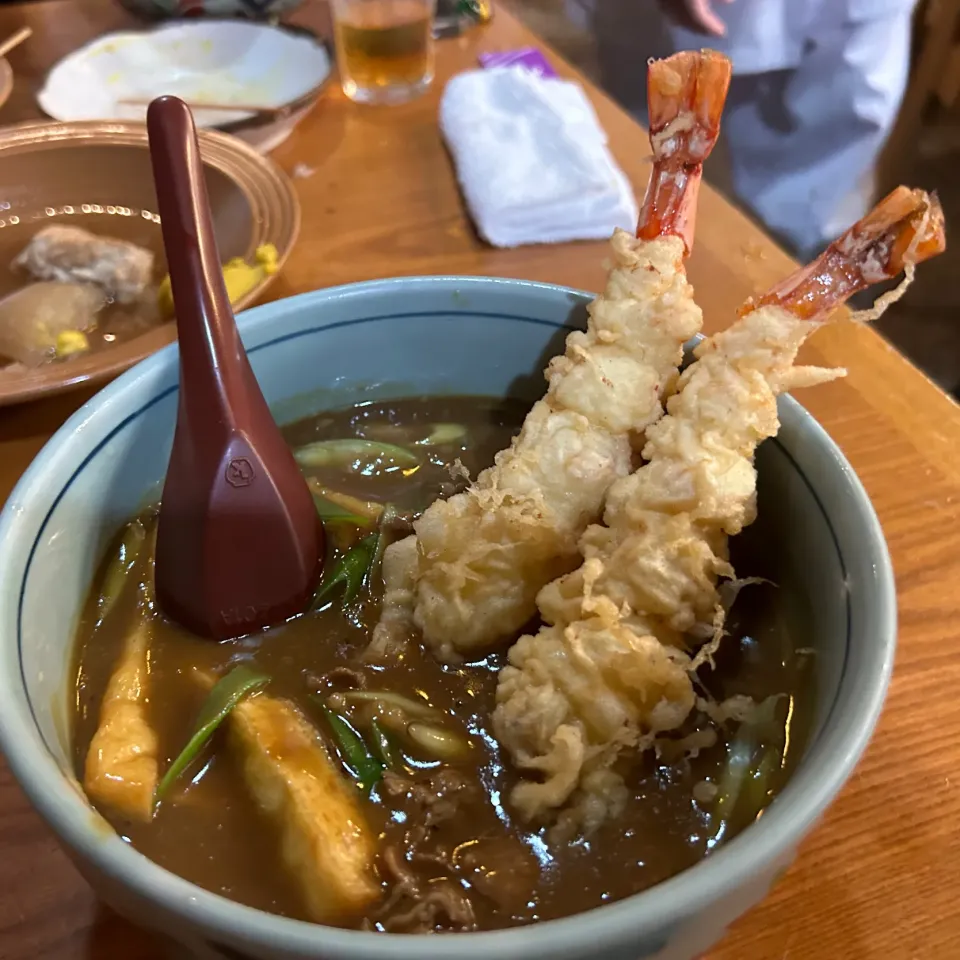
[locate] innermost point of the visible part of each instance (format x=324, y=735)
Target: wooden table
x=880, y=878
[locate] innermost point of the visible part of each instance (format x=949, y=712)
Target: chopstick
x=14, y=40
x=200, y=105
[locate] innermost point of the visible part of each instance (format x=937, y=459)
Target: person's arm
x=698, y=15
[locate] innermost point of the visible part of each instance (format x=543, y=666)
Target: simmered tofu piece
x=326, y=843
x=121, y=767
x=42, y=321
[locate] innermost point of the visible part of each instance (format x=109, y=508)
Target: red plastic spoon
x=239, y=544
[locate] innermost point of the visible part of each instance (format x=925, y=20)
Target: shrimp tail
x=685, y=97
x=904, y=229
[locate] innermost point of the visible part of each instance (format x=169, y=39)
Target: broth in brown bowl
x=97, y=177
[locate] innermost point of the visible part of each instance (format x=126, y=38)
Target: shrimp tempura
x=482, y=556
x=608, y=671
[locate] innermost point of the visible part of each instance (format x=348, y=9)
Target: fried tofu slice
x=326, y=843
x=121, y=765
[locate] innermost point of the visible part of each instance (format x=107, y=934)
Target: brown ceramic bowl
x=97, y=175
x=6, y=80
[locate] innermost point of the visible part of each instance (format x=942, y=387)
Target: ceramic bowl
x=98, y=176
x=400, y=338
x=6, y=80
x=282, y=69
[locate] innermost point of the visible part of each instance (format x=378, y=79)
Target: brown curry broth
x=662, y=832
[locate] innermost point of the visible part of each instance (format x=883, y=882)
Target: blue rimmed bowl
x=399, y=338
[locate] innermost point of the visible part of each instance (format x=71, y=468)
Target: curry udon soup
x=394, y=766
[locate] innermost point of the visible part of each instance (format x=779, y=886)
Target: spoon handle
x=238, y=540
x=205, y=324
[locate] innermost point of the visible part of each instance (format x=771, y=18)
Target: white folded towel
x=532, y=159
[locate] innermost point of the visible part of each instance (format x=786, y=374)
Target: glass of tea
x=384, y=48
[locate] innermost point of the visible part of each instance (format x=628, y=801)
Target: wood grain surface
x=879, y=879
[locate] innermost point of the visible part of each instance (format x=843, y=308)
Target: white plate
x=219, y=61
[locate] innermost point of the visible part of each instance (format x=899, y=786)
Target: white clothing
x=816, y=90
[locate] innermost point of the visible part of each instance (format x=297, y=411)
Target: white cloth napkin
x=532, y=159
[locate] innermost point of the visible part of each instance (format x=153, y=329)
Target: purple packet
x=529, y=57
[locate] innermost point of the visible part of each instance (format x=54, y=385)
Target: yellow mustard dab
x=70, y=342
x=239, y=276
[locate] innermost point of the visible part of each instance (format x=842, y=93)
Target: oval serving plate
x=98, y=176
x=283, y=69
